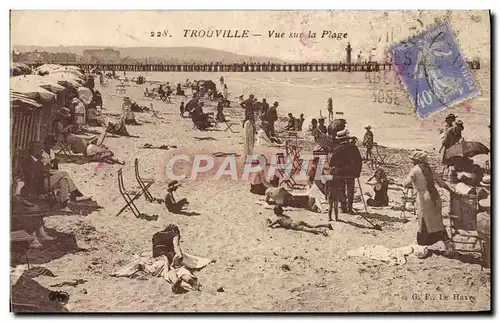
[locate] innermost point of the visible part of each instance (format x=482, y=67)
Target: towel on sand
x=156, y=266
x=393, y=256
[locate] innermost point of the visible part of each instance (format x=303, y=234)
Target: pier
x=241, y=67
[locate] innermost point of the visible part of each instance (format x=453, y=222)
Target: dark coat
x=34, y=175
x=346, y=160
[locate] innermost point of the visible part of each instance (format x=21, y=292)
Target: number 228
x=163, y=33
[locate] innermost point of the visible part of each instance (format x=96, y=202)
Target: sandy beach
x=259, y=269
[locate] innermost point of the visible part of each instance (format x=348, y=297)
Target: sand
x=231, y=229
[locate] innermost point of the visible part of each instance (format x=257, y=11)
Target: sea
x=377, y=99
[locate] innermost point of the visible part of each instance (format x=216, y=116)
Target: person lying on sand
x=172, y=205
x=283, y=221
x=167, y=242
x=101, y=153
x=280, y=196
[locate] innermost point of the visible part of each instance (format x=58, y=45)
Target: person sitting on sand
x=101, y=153
x=179, y=90
x=258, y=182
x=321, y=126
x=291, y=123
x=167, y=243
x=299, y=122
x=118, y=128
x=380, y=188
x=220, y=117
x=172, y=205
x=284, y=221
x=161, y=92
x=127, y=110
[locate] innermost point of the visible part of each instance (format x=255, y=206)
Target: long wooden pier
x=243, y=67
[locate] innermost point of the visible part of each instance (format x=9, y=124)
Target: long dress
x=430, y=219
x=249, y=141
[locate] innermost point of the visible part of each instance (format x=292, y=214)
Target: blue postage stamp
x=433, y=70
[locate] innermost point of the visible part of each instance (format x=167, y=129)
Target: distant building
x=107, y=55
x=44, y=57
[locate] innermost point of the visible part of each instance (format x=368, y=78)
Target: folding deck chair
x=65, y=147
x=463, y=224
x=409, y=196
x=145, y=184
x=129, y=196
x=120, y=89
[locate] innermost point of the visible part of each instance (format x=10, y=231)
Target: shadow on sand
x=27, y=295
x=63, y=244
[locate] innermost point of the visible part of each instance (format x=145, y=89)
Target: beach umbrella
x=33, y=91
x=85, y=95
x=466, y=149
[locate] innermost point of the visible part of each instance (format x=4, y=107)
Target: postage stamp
x=433, y=70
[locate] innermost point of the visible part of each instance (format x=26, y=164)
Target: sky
x=365, y=30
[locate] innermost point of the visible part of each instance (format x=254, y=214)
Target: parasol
x=85, y=95
x=466, y=149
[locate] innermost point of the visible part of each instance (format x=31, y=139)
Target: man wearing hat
x=271, y=117
x=451, y=137
x=345, y=165
x=172, y=205
x=449, y=121
x=368, y=142
x=321, y=126
x=249, y=106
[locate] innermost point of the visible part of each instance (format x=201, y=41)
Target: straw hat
x=368, y=127
x=451, y=117
x=419, y=156
x=64, y=112
x=485, y=203
x=173, y=184
x=485, y=182
x=342, y=134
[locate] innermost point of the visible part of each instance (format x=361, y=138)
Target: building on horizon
x=108, y=55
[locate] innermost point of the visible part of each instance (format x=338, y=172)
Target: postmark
x=433, y=70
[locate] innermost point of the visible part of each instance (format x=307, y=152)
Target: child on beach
x=284, y=221
x=330, y=109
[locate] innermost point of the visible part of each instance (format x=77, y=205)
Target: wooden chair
x=145, y=184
